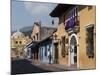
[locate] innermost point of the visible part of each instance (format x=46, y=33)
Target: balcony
x=72, y=24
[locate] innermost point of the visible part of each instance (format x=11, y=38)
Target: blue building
x=46, y=51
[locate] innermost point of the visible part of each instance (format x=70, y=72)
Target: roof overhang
x=60, y=9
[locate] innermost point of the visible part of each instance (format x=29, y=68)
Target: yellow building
x=87, y=30
x=18, y=42
x=75, y=36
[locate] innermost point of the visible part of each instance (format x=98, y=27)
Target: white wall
x=42, y=52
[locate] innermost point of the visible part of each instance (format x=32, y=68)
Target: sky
x=25, y=13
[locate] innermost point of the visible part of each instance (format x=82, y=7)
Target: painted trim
x=77, y=48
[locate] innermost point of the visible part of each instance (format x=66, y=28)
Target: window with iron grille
x=63, y=46
x=90, y=42
x=66, y=41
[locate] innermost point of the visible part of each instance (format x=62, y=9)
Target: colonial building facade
x=71, y=44
x=75, y=36
x=46, y=49
x=43, y=48
x=18, y=42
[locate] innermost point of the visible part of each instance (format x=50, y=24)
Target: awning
x=32, y=45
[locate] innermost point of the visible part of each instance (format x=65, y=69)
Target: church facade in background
x=18, y=43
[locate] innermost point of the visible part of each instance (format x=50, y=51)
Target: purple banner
x=71, y=22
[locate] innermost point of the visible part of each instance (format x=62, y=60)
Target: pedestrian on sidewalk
x=50, y=58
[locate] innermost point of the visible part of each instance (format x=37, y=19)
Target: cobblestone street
x=24, y=66
x=54, y=67
x=51, y=67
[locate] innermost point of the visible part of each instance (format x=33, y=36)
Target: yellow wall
x=24, y=41
x=61, y=32
x=86, y=17
x=19, y=47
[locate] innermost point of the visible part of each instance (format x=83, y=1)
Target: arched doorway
x=73, y=50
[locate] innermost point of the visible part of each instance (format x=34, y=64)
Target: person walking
x=50, y=57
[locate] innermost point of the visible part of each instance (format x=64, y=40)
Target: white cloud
x=28, y=5
x=40, y=11
x=38, y=8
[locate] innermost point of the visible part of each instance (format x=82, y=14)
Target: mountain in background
x=27, y=31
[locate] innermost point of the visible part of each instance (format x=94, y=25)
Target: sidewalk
x=53, y=67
